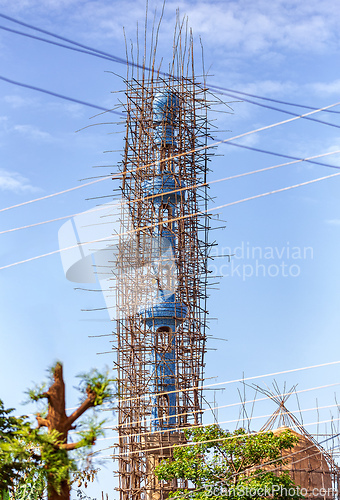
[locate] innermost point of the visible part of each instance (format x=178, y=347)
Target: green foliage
x=29, y=458
x=16, y=453
x=98, y=383
x=33, y=458
x=56, y=463
x=91, y=430
x=224, y=464
x=30, y=489
x=36, y=393
x=51, y=370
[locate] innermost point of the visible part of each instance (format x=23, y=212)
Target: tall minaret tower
x=165, y=314
x=161, y=268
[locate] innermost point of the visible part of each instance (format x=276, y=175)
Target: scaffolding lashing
x=161, y=270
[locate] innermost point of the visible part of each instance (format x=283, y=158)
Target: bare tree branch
x=88, y=403
x=42, y=422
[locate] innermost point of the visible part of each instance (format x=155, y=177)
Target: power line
x=112, y=57
x=207, y=425
x=256, y=400
x=55, y=94
x=105, y=55
x=184, y=445
x=280, y=110
x=186, y=188
x=58, y=193
x=229, y=405
x=201, y=148
x=268, y=98
x=52, y=42
x=143, y=228
x=258, y=150
x=237, y=380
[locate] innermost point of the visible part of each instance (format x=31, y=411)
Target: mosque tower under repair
x=161, y=268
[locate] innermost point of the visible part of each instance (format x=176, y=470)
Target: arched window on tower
x=165, y=216
x=166, y=277
x=164, y=337
x=163, y=409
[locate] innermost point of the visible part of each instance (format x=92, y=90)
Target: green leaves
x=16, y=454
x=36, y=393
x=228, y=465
x=55, y=462
x=98, y=383
x=33, y=460
x=30, y=458
x=91, y=429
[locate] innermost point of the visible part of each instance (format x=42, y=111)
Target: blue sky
x=283, y=50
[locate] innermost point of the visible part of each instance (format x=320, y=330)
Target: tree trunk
x=58, y=420
x=63, y=495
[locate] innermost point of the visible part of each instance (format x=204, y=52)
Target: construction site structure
x=310, y=465
x=161, y=268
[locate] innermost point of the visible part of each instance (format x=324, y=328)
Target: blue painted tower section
x=164, y=316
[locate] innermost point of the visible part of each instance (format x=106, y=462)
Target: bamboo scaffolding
x=137, y=371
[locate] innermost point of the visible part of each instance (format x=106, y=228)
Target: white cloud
x=269, y=87
x=44, y=5
x=253, y=27
x=256, y=27
x=326, y=88
x=249, y=140
x=33, y=132
x=75, y=110
x=229, y=29
x=15, y=182
x=16, y=101
x=333, y=222
x=333, y=159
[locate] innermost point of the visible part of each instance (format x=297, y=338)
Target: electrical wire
x=157, y=224
x=230, y=405
x=40, y=39
x=280, y=110
x=216, y=87
x=184, y=445
x=58, y=193
x=60, y=96
x=239, y=403
x=201, y=148
x=150, y=197
x=265, y=151
x=201, y=387
x=111, y=57
x=190, y=427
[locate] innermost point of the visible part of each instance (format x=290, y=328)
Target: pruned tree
x=50, y=448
